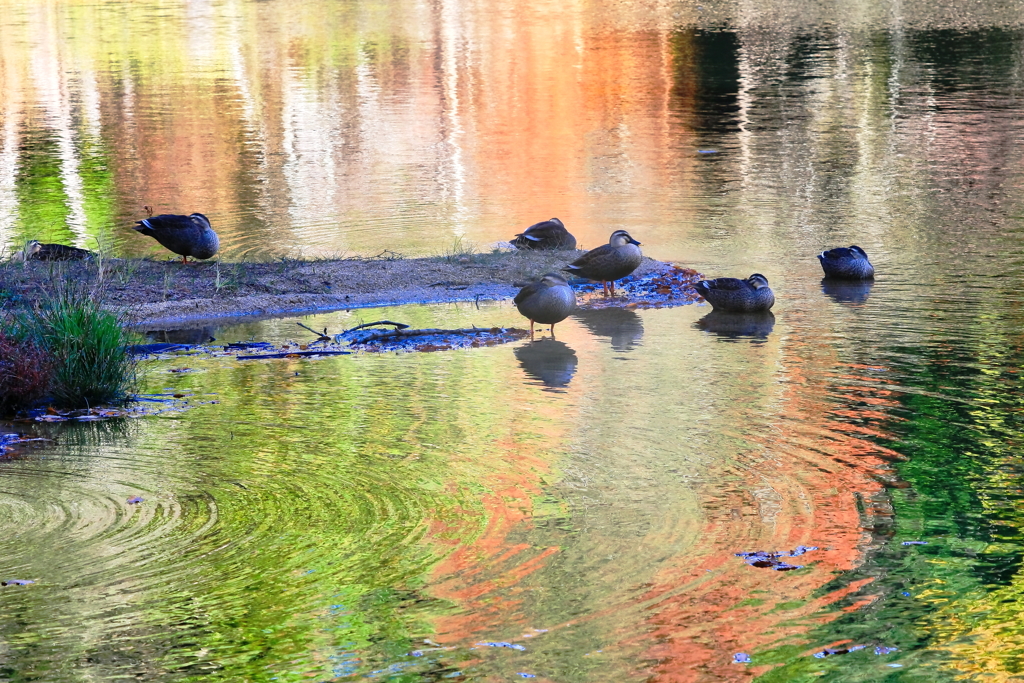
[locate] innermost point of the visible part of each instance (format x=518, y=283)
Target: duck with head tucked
x=547, y=301
x=37, y=251
x=184, y=235
x=847, y=263
x=545, y=235
x=737, y=296
x=609, y=262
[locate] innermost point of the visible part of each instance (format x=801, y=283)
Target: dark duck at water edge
x=184, y=235
x=547, y=301
x=37, y=251
x=847, y=263
x=545, y=235
x=609, y=262
x=738, y=296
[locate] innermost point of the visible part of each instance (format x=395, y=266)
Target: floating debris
x=830, y=651
x=741, y=658
x=883, y=650
x=157, y=349
x=136, y=500
x=295, y=354
x=512, y=646
x=522, y=675
x=670, y=287
x=369, y=337
x=773, y=560
x=8, y=441
x=244, y=346
x=168, y=403
x=914, y=543
x=403, y=339
x=16, y=582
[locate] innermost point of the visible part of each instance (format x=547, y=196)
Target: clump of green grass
x=85, y=345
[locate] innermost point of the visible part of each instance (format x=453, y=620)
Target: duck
x=738, y=296
x=547, y=301
x=847, y=263
x=609, y=262
x=545, y=235
x=37, y=251
x=184, y=235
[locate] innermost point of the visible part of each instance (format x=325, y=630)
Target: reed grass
x=85, y=345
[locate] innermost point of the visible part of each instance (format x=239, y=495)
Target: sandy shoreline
x=167, y=293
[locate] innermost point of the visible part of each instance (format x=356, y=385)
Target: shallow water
x=582, y=499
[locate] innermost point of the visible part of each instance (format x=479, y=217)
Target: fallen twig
x=400, y=333
x=398, y=326
x=320, y=337
x=295, y=354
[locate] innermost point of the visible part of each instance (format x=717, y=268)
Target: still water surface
x=580, y=499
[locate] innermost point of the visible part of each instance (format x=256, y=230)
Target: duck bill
x=633, y=241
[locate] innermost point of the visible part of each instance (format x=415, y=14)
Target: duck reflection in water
x=625, y=327
x=548, y=360
x=728, y=325
x=847, y=292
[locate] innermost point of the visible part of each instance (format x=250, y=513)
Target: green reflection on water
x=290, y=527
x=953, y=604
x=47, y=203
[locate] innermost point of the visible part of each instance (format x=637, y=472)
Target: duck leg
x=531, y=330
x=552, y=330
x=612, y=284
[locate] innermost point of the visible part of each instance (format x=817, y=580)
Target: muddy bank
x=155, y=292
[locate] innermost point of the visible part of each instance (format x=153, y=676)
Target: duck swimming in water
x=547, y=301
x=184, y=235
x=545, y=235
x=609, y=262
x=847, y=263
x=739, y=296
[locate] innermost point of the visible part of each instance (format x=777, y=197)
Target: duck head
x=757, y=281
x=201, y=219
x=553, y=280
x=621, y=238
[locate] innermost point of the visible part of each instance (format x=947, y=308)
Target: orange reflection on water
x=309, y=127
x=806, y=486
x=483, y=576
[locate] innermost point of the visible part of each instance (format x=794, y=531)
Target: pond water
x=567, y=509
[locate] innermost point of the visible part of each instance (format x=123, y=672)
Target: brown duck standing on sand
x=545, y=235
x=547, y=301
x=609, y=262
x=184, y=235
